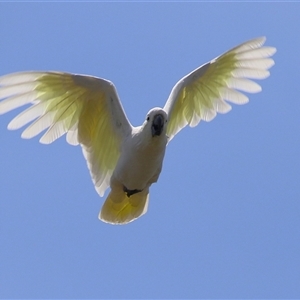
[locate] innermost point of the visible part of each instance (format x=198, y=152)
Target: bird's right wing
x=87, y=108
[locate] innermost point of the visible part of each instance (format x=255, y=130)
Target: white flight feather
x=203, y=92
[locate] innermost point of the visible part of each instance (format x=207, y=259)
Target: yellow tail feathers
x=118, y=208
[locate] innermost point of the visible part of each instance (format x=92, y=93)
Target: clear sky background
x=224, y=217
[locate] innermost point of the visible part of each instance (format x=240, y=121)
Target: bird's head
x=156, y=120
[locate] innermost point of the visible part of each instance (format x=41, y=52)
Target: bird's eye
x=148, y=118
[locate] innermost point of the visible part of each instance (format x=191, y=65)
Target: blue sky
x=223, y=220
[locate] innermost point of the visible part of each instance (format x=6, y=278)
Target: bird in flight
x=125, y=158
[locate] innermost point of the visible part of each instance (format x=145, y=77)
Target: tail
x=118, y=208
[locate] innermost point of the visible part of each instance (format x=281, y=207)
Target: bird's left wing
x=201, y=94
x=86, y=108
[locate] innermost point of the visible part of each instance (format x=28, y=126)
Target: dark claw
x=130, y=192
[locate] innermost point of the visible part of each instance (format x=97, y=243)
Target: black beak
x=157, y=125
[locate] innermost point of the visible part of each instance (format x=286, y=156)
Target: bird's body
x=141, y=160
x=125, y=158
x=139, y=166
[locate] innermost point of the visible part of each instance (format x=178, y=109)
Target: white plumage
x=129, y=159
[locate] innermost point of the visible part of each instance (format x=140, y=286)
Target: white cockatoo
x=125, y=158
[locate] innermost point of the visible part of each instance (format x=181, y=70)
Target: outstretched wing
x=201, y=94
x=87, y=108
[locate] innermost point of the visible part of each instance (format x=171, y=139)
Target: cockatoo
x=125, y=158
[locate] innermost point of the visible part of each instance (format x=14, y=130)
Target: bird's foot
x=130, y=192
